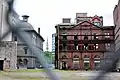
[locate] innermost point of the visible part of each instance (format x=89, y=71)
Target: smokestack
x=38, y=30
x=25, y=18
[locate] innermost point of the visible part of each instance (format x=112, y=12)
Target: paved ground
x=64, y=75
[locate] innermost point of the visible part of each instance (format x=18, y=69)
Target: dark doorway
x=1, y=64
x=64, y=66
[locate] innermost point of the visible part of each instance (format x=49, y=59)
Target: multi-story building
x=53, y=43
x=84, y=44
x=25, y=57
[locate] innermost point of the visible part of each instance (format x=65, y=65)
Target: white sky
x=47, y=13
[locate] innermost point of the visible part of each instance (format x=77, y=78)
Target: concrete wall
x=9, y=50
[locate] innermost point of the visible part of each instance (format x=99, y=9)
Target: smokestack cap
x=25, y=18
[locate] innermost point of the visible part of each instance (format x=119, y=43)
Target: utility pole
x=47, y=48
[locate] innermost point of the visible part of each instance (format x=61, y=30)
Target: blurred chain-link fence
x=15, y=25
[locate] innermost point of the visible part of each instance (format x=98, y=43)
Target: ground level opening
x=1, y=65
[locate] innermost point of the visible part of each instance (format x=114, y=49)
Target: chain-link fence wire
x=15, y=26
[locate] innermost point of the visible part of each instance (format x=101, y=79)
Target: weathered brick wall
x=8, y=50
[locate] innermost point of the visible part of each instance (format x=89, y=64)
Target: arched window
x=96, y=56
x=97, y=61
x=86, y=61
x=64, y=57
x=76, y=56
x=19, y=61
x=86, y=57
x=25, y=49
x=25, y=61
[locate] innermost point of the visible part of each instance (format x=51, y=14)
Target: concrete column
x=81, y=63
x=92, y=63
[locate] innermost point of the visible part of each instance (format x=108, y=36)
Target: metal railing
x=15, y=26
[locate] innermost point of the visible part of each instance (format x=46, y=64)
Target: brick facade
x=82, y=45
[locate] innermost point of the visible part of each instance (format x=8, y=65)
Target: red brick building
x=84, y=44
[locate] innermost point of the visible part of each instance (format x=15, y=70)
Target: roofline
x=78, y=24
x=108, y=27
x=90, y=17
x=65, y=25
x=88, y=22
x=36, y=33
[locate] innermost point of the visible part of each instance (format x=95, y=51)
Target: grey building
x=25, y=58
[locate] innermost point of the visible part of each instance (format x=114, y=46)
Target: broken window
x=97, y=61
x=85, y=37
x=107, y=35
x=76, y=42
x=91, y=47
x=64, y=42
x=64, y=37
x=86, y=61
x=76, y=56
x=25, y=50
x=75, y=37
x=64, y=57
x=76, y=46
x=96, y=46
x=95, y=36
x=60, y=47
x=15, y=38
x=82, y=48
x=69, y=47
x=64, y=46
x=85, y=46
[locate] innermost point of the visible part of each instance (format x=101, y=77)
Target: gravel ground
x=64, y=75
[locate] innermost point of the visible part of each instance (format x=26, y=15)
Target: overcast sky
x=47, y=13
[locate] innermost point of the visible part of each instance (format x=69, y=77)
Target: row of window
x=24, y=61
x=106, y=33
x=85, y=37
x=81, y=47
x=86, y=56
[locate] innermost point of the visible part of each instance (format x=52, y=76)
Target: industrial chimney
x=38, y=30
x=25, y=18
x=66, y=20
